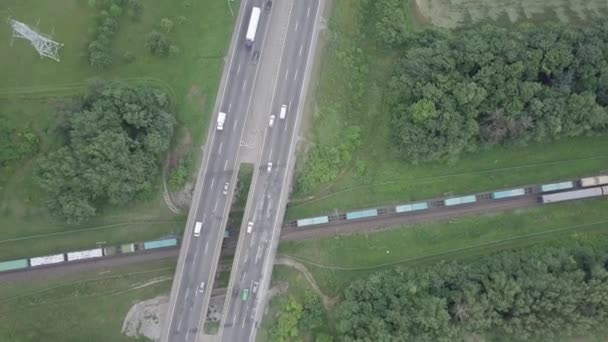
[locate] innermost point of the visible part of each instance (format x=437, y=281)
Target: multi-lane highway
x=255, y=251
x=199, y=255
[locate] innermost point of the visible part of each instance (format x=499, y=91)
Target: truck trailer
x=253, y=26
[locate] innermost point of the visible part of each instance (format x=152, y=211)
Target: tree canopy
x=456, y=92
x=536, y=294
x=113, y=143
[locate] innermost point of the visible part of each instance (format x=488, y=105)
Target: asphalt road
x=255, y=251
x=199, y=255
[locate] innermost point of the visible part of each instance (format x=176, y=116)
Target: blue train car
x=411, y=207
x=353, y=215
x=312, y=221
x=160, y=243
x=13, y=265
x=556, y=186
x=460, y=200
x=508, y=193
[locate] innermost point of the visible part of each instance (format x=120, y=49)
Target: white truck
x=253, y=26
x=221, y=118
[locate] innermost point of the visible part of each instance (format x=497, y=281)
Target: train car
x=460, y=200
x=47, y=260
x=88, y=254
x=354, y=215
x=574, y=195
x=160, y=243
x=127, y=248
x=312, y=221
x=594, y=181
x=13, y=265
x=508, y=193
x=556, y=186
x=411, y=207
x=111, y=250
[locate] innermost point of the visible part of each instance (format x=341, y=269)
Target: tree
x=157, y=43
x=285, y=327
x=99, y=55
x=313, y=312
x=174, y=50
x=114, y=142
x=166, y=25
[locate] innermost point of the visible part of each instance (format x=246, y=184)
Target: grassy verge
x=350, y=93
x=335, y=262
x=30, y=88
x=84, y=307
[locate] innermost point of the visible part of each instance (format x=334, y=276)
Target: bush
x=16, y=144
x=181, y=174
x=166, y=25
x=157, y=43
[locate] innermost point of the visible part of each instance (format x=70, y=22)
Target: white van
x=221, y=118
x=283, y=112
x=249, y=227
x=197, y=229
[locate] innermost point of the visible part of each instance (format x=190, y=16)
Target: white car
x=197, y=229
x=255, y=287
x=269, y=167
x=221, y=118
x=271, y=122
x=201, y=288
x=249, y=227
x=225, y=190
x=283, y=112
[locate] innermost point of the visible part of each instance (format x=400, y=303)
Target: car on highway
x=245, y=295
x=283, y=112
x=226, y=187
x=271, y=122
x=268, y=5
x=254, y=288
x=201, y=288
x=221, y=118
x=269, y=167
x=197, y=229
x=249, y=227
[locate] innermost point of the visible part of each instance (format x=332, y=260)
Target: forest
x=544, y=293
x=457, y=92
x=113, y=140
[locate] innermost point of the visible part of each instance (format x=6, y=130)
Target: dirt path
x=328, y=302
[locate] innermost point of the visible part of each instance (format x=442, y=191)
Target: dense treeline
x=537, y=294
x=15, y=143
x=456, y=92
x=113, y=142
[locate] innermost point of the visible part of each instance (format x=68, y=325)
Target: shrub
x=157, y=43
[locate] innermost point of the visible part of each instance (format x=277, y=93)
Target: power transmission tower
x=46, y=47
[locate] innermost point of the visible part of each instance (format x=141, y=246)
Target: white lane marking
x=181, y=265
x=296, y=29
x=244, y=84
x=225, y=164
x=219, y=152
x=179, y=326
x=234, y=125
x=215, y=206
x=236, y=256
x=212, y=181
x=301, y=48
x=206, y=245
x=230, y=104
x=295, y=77
x=293, y=136
x=234, y=318
x=243, y=275
x=286, y=74
x=238, y=69
x=187, y=332
x=270, y=154
x=244, y=319
x=308, y=12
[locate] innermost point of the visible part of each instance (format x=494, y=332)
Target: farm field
x=84, y=307
x=31, y=88
x=452, y=13
x=372, y=173
x=336, y=261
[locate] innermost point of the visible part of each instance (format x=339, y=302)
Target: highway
x=198, y=258
x=270, y=187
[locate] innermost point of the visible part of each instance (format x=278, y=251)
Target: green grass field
x=85, y=307
x=30, y=87
x=376, y=175
x=336, y=261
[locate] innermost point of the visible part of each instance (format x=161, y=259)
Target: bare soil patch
x=144, y=318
